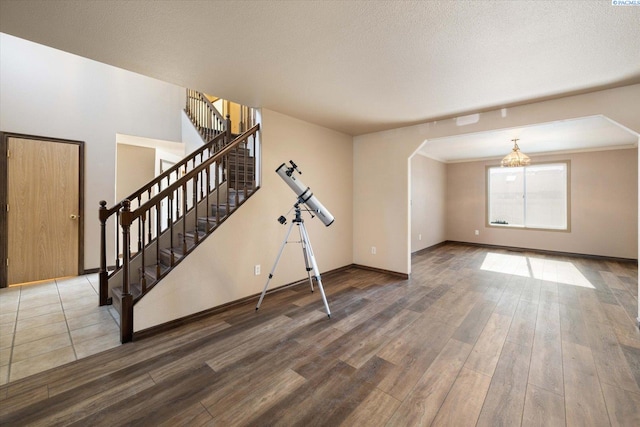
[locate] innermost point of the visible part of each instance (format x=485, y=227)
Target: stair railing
x=215, y=137
x=206, y=118
x=208, y=184
x=137, y=198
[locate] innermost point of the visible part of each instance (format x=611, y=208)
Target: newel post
x=228, y=130
x=126, y=314
x=102, y=273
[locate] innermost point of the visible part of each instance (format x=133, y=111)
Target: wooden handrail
x=129, y=216
x=213, y=109
x=171, y=170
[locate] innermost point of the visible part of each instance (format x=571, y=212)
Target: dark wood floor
x=476, y=337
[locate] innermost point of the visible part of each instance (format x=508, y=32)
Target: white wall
x=603, y=201
x=221, y=269
x=381, y=165
x=190, y=136
x=47, y=92
x=428, y=202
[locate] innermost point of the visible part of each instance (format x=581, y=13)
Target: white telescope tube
x=304, y=194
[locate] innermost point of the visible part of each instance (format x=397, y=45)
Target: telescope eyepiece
x=294, y=167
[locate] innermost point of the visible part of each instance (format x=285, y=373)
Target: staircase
x=157, y=226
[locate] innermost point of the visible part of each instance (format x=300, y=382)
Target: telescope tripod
x=307, y=252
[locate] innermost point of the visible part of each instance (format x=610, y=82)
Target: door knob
x=74, y=216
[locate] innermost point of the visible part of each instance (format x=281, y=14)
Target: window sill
x=521, y=227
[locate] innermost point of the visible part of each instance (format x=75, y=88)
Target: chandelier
x=515, y=158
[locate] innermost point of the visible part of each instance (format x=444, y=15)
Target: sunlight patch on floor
x=563, y=272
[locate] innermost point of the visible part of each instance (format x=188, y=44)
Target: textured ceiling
x=353, y=66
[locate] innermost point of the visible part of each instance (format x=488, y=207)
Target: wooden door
x=43, y=219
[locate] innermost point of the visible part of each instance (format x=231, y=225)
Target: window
x=529, y=197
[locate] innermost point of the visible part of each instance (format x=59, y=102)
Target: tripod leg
x=315, y=266
x=304, y=253
x=275, y=264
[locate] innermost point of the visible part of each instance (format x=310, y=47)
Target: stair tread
x=134, y=289
x=212, y=219
x=151, y=271
x=202, y=224
x=177, y=251
x=191, y=235
x=232, y=201
x=204, y=218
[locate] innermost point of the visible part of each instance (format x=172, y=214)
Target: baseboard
x=429, y=248
x=224, y=307
x=97, y=270
x=154, y=330
x=403, y=276
x=545, y=252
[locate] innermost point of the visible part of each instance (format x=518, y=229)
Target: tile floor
x=51, y=323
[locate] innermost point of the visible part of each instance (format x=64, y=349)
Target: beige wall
x=428, y=197
x=604, y=206
x=381, y=165
x=221, y=269
x=380, y=203
x=135, y=166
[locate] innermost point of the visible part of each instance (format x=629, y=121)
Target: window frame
x=488, y=224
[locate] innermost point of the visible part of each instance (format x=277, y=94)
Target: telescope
x=305, y=197
x=304, y=194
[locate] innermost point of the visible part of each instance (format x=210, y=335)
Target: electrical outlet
x=419, y=236
x=373, y=250
x=477, y=232
x=256, y=269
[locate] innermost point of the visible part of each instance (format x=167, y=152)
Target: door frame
x=4, y=178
